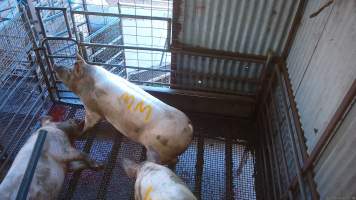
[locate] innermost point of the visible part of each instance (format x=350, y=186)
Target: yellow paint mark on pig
x=148, y=193
x=142, y=108
x=128, y=99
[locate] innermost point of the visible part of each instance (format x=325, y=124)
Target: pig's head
x=77, y=78
x=69, y=127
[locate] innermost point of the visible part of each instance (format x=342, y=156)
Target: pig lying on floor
x=156, y=182
x=57, y=153
x=165, y=131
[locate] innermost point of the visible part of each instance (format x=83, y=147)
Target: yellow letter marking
x=142, y=108
x=147, y=193
x=128, y=99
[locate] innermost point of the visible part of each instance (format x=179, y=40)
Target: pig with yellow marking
x=156, y=182
x=165, y=131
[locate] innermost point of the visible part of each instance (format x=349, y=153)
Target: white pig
x=57, y=157
x=156, y=182
x=165, y=131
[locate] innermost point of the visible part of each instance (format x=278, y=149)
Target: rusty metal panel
x=335, y=172
x=246, y=26
x=321, y=79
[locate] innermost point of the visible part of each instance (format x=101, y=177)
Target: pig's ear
x=130, y=167
x=45, y=120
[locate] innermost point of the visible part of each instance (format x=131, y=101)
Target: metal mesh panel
x=22, y=98
x=110, y=147
x=243, y=172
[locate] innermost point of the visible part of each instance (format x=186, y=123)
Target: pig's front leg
x=79, y=165
x=91, y=119
x=72, y=154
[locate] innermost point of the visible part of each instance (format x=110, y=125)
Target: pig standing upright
x=156, y=182
x=165, y=131
x=56, y=158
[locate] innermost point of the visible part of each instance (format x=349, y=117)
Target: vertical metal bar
x=169, y=30
x=73, y=21
x=67, y=22
x=109, y=168
x=75, y=178
x=122, y=39
x=269, y=138
x=266, y=172
x=199, y=167
x=228, y=171
x=82, y=48
x=300, y=134
x=290, y=194
x=295, y=152
x=85, y=7
x=264, y=137
x=31, y=167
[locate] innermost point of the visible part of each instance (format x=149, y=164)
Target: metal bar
x=295, y=153
x=119, y=15
x=197, y=51
x=61, y=56
x=270, y=156
x=73, y=20
x=109, y=168
x=347, y=101
x=266, y=171
x=85, y=7
x=121, y=46
x=67, y=22
x=269, y=139
x=228, y=165
x=264, y=75
x=300, y=134
x=295, y=25
x=31, y=167
x=75, y=178
x=169, y=30
x=199, y=167
x=49, y=8
x=279, y=132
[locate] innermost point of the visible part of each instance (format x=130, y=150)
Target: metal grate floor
x=213, y=168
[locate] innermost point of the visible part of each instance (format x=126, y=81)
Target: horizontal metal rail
x=121, y=46
x=31, y=167
x=120, y=15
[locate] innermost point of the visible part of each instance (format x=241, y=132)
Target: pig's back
x=158, y=182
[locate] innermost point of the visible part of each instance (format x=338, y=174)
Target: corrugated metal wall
x=322, y=64
x=246, y=26
x=322, y=68
x=336, y=171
